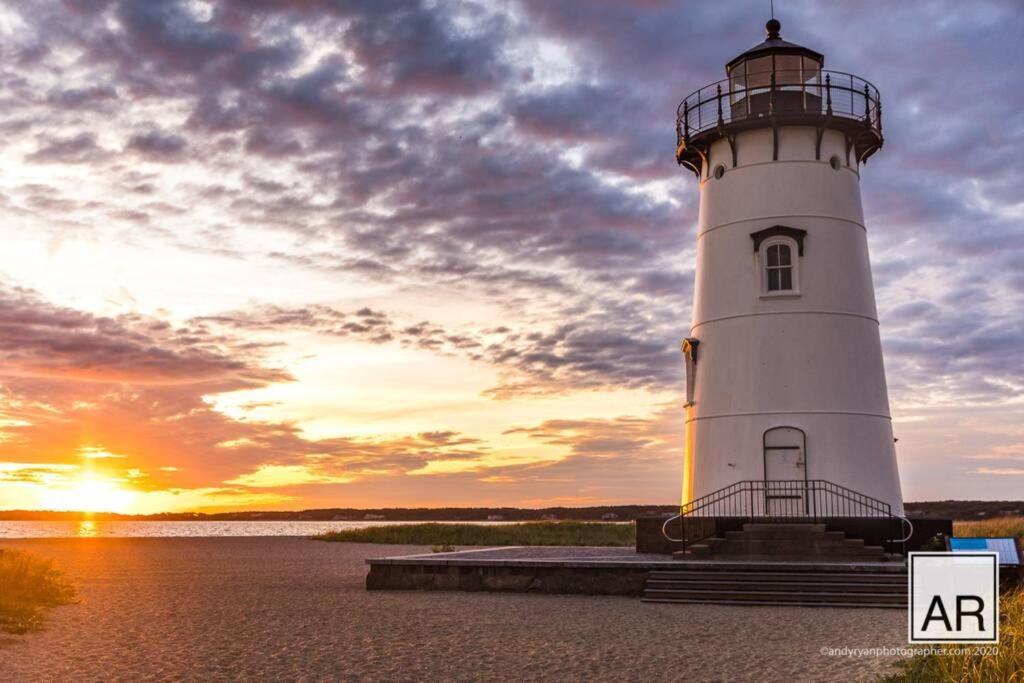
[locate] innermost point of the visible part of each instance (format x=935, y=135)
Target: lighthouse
x=784, y=374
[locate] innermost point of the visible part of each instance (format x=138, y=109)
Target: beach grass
x=29, y=587
x=974, y=664
x=527, y=533
x=995, y=527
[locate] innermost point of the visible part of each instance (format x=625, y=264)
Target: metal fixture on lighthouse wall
x=789, y=383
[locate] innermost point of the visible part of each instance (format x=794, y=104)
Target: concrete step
x=770, y=574
x=732, y=546
x=792, y=527
x=787, y=567
x=798, y=541
x=737, y=575
x=772, y=583
x=772, y=603
x=798, y=558
x=786, y=535
x=782, y=531
x=811, y=541
x=704, y=547
x=763, y=596
x=778, y=586
x=805, y=547
x=705, y=555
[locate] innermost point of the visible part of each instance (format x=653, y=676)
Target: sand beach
x=212, y=609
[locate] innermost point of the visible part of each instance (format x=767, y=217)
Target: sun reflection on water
x=87, y=529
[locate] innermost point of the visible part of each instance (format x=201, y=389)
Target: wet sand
x=173, y=609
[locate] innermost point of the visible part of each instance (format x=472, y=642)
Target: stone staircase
x=881, y=585
x=786, y=543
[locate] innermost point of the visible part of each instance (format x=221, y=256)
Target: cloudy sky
x=301, y=253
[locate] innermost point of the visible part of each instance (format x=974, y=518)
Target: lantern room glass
x=798, y=74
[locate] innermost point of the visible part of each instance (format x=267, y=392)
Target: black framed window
x=779, y=267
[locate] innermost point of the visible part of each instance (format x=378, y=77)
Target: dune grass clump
x=528, y=533
x=29, y=587
x=995, y=527
x=975, y=664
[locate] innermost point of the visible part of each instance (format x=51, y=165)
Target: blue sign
x=1006, y=548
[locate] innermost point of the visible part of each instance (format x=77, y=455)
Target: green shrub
x=936, y=542
x=29, y=586
x=529, y=533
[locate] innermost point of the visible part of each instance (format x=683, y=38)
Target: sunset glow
x=89, y=494
x=255, y=258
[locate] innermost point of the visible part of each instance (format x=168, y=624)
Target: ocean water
x=107, y=529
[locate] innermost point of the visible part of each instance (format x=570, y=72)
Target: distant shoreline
x=949, y=509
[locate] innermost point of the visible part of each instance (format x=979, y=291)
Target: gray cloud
x=477, y=195
x=75, y=149
x=157, y=146
x=40, y=339
x=587, y=353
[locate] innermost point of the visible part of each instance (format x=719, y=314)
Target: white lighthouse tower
x=785, y=380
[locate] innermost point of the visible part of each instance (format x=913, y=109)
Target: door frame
x=764, y=457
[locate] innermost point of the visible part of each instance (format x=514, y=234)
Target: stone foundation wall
x=874, y=531
x=649, y=538
x=578, y=580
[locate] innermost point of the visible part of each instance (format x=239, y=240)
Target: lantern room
x=774, y=76
x=774, y=84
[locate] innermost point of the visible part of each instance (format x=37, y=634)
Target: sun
x=90, y=494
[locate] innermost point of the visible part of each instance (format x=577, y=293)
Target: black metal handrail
x=781, y=93
x=769, y=500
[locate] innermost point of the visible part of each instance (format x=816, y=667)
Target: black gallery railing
x=781, y=94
